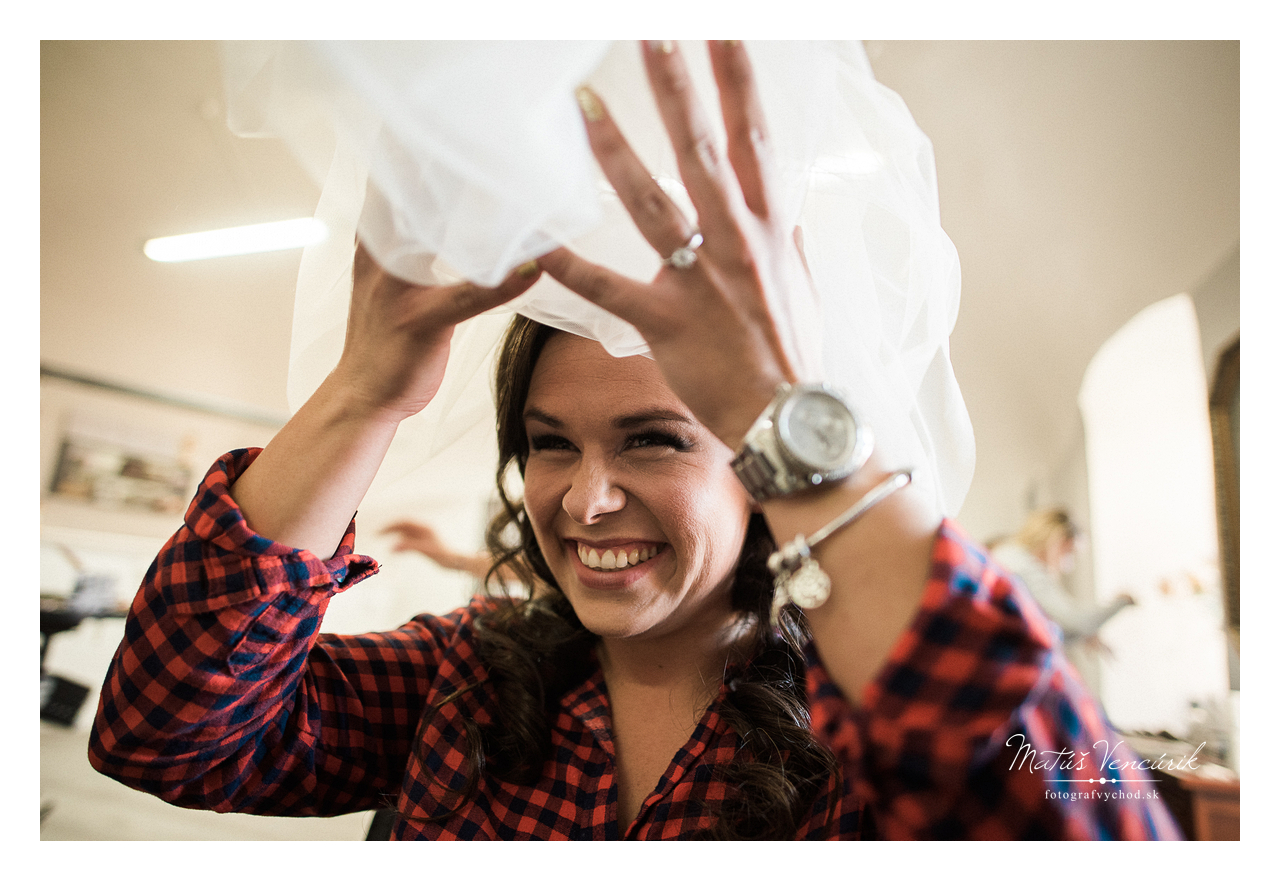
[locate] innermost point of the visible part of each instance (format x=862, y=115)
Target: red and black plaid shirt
x=224, y=695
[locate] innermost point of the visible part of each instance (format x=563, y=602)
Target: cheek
x=541, y=501
x=714, y=513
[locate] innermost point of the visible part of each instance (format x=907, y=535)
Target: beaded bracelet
x=797, y=576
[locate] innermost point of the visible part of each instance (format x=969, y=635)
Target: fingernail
x=733, y=44
x=666, y=47
x=528, y=270
x=592, y=109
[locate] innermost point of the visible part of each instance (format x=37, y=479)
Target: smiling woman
x=657, y=699
x=640, y=524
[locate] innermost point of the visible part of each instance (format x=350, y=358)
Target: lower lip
x=611, y=579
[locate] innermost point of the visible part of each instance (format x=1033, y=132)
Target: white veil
x=466, y=159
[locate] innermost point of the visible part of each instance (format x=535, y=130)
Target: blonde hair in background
x=1041, y=526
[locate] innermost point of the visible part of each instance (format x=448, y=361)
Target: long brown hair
x=535, y=649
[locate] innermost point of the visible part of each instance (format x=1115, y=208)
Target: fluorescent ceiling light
x=278, y=236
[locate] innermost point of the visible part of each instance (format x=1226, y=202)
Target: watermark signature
x=1111, y=761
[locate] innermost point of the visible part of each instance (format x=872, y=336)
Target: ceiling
x=1080, y=182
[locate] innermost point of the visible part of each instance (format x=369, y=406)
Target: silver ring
x=687, y=254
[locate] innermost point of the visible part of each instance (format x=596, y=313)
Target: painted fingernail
x=528, y=270
x=666, y=47
x=592, y=109
x=733, y=44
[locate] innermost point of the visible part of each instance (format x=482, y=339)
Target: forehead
x=574, y=368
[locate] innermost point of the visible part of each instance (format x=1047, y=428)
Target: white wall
x=1150, y=457
x=1217, y=302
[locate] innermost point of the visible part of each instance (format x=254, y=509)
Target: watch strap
x=759, y=474
x=758, y=471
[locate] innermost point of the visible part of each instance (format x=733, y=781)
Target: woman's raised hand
x=414, y=536
x=398, y=334
x=709, y=325
x=304, y=488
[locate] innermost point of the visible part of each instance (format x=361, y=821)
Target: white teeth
x=614, y=559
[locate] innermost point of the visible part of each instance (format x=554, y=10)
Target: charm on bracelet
x=797, y=577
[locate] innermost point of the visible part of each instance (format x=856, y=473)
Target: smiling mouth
x=615, y=558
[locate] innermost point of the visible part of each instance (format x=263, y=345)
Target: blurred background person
x=1041, y=554
x=414, y=536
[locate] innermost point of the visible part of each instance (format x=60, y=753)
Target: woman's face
x=632, y=500
x=1059, y=553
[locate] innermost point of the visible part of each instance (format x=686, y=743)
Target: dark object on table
x=93, y=597
x=380, y=825
x=60, y=699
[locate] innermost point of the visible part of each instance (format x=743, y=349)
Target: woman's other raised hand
x=304, y=488
x=713, y=329
x=398, y=334
x=709, y=326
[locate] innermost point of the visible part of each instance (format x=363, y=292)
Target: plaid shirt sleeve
x=224, y=695
x=978, y=727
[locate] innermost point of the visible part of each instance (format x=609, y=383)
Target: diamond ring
x=687, y=254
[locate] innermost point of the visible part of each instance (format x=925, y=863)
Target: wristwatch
x=808, y=435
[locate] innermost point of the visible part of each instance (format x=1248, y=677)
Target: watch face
x=819, y=430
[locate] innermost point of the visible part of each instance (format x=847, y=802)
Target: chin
x=607, y=620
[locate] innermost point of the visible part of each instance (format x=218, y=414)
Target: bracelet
x=797, y=576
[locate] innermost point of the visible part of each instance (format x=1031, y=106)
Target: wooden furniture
x=1207, y=807
x=1204, y=799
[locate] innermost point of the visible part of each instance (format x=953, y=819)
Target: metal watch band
x=757, y=473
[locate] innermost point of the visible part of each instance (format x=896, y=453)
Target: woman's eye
x=651, y=439
x=542, y=442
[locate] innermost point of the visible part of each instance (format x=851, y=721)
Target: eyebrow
x=631, y=420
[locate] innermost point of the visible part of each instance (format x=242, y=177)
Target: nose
x=593, y=492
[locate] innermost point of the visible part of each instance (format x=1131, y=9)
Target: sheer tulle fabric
x=464, y=160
